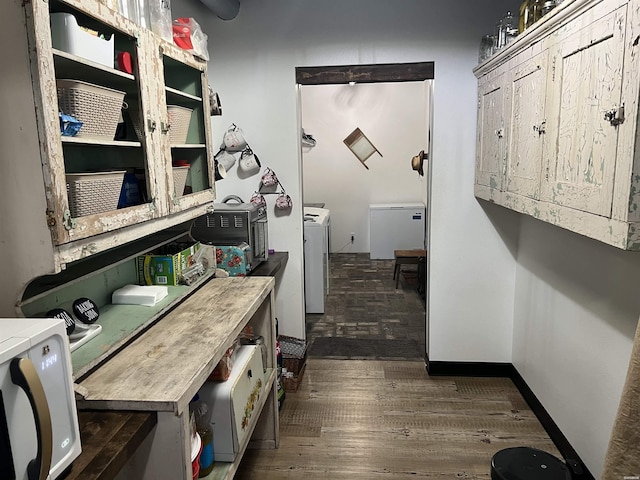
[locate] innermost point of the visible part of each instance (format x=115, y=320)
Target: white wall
x=253, y=67
x=573, y=299
x=577, y=307
x=393, y=116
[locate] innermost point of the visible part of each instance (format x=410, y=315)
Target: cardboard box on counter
x=156, y=269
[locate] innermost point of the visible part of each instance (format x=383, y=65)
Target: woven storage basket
x=293, y=347
x=179, y=119
x=91, y=193
x=180, y=179
x=136, y=121
x=98, y=108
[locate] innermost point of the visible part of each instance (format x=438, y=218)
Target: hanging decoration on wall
x=234, y=140
x=226, y=159
x=249, y=162
x=417, y=162
x=215, y=106
x=360, y=146
x=220, y=171
x=270, y=185
x=308, y=140
x=269, y=178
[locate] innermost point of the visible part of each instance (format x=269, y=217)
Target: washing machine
x=317, y=222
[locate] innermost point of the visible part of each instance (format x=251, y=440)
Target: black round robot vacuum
x=524, y=463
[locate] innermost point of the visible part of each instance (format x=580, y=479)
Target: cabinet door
x=139, y=147
x=490, y=146
x=79, y=207
x=580, y=152
x=527, y=127
x=187, y=144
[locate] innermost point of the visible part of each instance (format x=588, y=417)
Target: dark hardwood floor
x=364, y=303
x=365, y=420
x=370, y=419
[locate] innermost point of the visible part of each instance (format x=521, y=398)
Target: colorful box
x=165, y=268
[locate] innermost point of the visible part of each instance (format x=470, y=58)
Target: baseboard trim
x=469, y=369
x=490, y=369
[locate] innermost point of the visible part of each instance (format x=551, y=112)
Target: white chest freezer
x=395, y=226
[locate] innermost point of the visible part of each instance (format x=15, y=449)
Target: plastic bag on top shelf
x=188, y=35
x=160, y=17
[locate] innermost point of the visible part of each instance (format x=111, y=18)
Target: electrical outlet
x=353, y=237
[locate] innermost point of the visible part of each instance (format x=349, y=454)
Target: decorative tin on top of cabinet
x=140, y=147
x=572, y=159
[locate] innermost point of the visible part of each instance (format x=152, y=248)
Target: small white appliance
x=233, y=402
x=39, y=435
x=317, y=223
x=395, y=226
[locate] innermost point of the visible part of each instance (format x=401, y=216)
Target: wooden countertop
x=163, y=368
x=271, y=266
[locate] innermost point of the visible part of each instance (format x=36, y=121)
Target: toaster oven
x=234, y=224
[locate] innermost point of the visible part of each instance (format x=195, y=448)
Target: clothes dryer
x=317, y=223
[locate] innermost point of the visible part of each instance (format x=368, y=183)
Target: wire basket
x=180, y=179
x=97, y=107
x=179, y=119
x=91, y=193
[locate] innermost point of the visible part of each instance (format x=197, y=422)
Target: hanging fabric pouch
x=269, y=178
x=258, y=200
x=284, y=202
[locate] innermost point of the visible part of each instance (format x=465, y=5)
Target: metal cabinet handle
x=540, y=128
x=615, y=116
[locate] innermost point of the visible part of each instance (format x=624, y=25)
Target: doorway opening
x=390, y=106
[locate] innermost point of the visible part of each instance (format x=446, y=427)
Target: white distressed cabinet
x=527, y=124
x=580, y=158
x=493, y=99
x=37, y=225
x=571, y=88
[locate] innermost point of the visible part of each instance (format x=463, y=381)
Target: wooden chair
x=405, y=257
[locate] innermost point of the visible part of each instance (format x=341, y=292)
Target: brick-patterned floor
x=364, y=303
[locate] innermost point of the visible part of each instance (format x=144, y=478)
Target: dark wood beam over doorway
x=389, y=72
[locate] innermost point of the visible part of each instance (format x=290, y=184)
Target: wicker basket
x=180, y=179
x=98, y=108
x=179, y=119
x=91, y=193
x=136, y=120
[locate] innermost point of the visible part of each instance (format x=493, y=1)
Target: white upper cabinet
x=165, y=148
x=527, y=125
x=493, y=99
x=571, y=122
x=585, y=98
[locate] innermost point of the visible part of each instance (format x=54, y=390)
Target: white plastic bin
x=68, y=36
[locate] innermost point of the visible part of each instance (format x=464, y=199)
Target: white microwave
x=39, y=436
